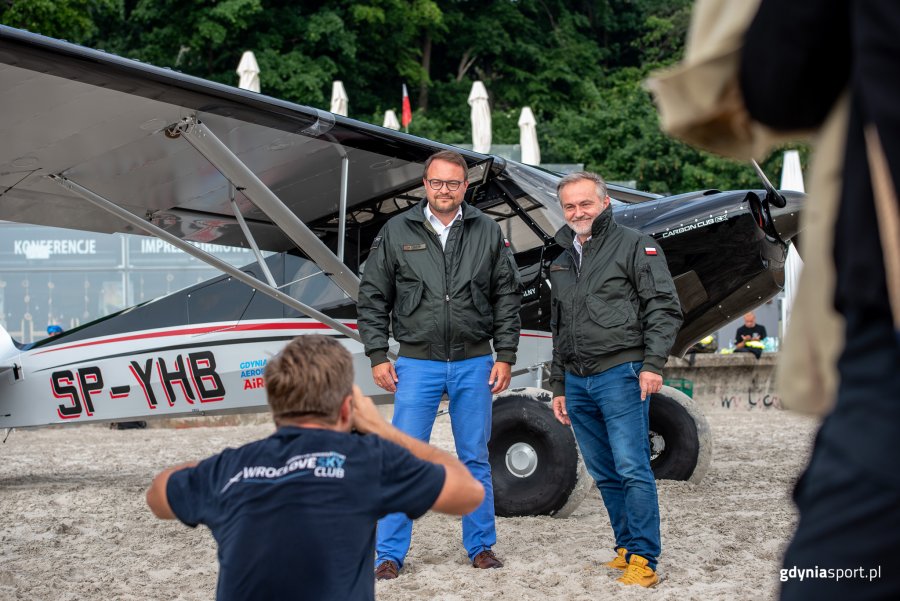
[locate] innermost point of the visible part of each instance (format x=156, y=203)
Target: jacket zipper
x=446, y=302
x=577, y=264
x=437, y=240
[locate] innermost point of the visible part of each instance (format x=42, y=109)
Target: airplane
x=97, y=142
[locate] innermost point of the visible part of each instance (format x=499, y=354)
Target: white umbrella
x=481, y=118
x=339, y=99
x=791, y=179
x=249, y=72
x=531, y=152
x=390, y=120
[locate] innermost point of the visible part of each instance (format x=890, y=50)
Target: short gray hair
x=578, y=176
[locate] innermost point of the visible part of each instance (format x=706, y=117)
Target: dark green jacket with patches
x=443, y=304
x=619, y=305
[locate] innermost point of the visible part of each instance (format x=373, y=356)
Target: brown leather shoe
x=486, y=560
x=387, y=570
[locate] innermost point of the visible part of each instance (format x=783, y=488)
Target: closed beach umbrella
x=339, y=100
x=531, y=152
x=481, y=118
x=791, y=179
x=390, y=120
x=248, y=71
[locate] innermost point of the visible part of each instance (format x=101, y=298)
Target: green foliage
x=579, y=64
x=73, y=20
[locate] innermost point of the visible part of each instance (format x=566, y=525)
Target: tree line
x=579, y=64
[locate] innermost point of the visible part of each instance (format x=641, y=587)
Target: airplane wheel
x=680, y=440
x=534, y=459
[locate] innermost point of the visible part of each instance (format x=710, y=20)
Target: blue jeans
x=421, y=384
x=611, y=426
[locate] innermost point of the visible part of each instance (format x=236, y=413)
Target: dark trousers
x=849, y=496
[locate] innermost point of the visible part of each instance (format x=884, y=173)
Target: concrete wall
x=736, y=382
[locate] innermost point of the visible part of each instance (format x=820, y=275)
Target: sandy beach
x=74, y=525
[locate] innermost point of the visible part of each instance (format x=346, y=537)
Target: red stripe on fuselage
x=201, y=330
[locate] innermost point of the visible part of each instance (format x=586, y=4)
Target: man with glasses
x=442, y=279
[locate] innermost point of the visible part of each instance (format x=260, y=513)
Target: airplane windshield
x=535, y=191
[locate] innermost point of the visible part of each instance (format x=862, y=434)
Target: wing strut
x=220, y=156
x=342, y=222
x=207, y=258
x=251, y=240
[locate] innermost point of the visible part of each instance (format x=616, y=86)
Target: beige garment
x=888, y=211
x=807, y=375
x=699, y=101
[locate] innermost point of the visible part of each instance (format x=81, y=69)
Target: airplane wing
x=105, y=123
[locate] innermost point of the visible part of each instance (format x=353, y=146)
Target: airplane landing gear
x=680, y=440
x=535, y=463
x=534, y=459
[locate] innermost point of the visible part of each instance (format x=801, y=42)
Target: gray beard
x=581, y=228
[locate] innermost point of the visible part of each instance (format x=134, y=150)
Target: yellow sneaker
x=619, y=562
x=637, y=572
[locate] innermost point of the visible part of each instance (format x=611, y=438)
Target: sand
x=73, y=523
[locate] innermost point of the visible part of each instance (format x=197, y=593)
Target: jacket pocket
x=484, y=314
x=606, y=313
x=409, y=296
x=655, y=279
x=480, y=300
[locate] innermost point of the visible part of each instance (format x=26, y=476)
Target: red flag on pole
x=407, y=110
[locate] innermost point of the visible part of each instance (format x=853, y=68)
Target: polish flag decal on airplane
x=649, y=250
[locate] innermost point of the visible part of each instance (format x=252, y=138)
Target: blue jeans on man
x=611, y=425
x=420, y=387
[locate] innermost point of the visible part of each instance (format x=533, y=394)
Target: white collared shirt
x=443, y=231
x=578, y=247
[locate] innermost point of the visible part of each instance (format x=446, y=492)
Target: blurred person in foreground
x=294, y=514
x=798, y=61
x=614, y=317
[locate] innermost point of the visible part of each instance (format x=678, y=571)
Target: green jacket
x=619, y=305
x=444, y=304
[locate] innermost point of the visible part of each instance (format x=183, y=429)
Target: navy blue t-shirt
x=294, y=514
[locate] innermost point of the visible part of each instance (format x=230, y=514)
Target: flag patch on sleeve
x=506, y=243
x=650, y=250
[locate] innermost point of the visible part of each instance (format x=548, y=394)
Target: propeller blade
x=772, y=195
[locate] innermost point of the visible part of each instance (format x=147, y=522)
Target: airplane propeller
x=772, y=195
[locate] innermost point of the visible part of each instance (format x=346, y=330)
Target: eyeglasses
x=452, y=185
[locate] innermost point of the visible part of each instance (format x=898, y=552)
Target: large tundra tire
x=680, y=440
x=534, y=459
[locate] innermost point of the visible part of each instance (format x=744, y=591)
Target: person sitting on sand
x=294, y=514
